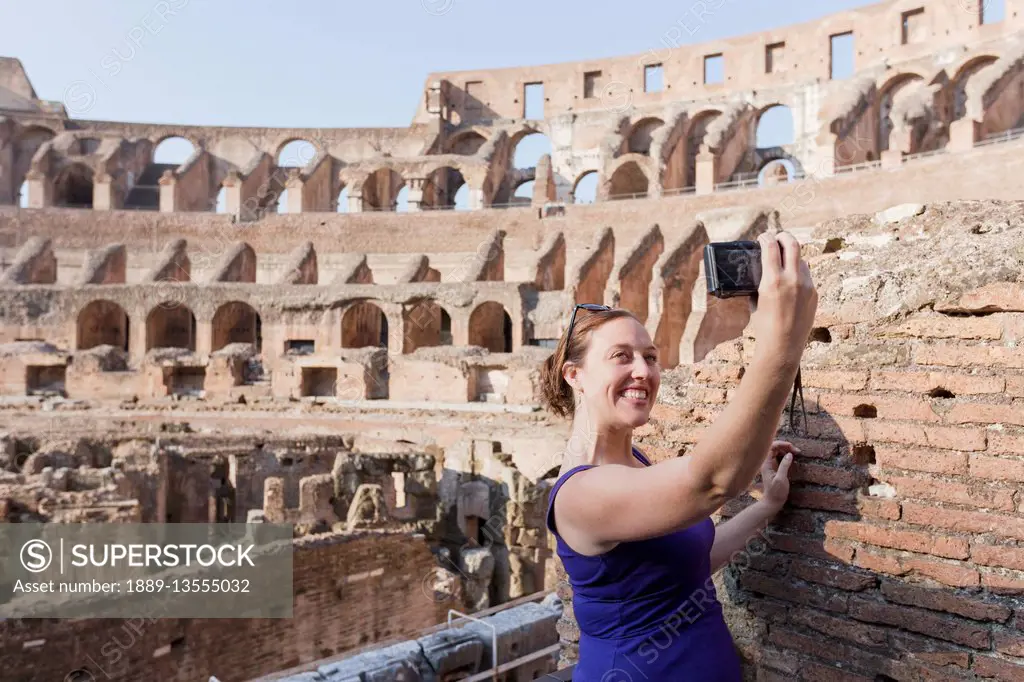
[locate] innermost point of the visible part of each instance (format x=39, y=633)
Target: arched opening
x=585, y=191
x=523, y=193
x=102, y=323
x=171, y=325
x=364, y=324
x=342, y=201
x=885, y=101
x=960, y=80
x=26, y=144
x=88, y=145
x=220, y=204
x=529, y=149
x=73, y=187
x=490, y=327
x=775, y=127
x=173, y=151
x=628, y=182
x=23, y=195
x=382, y=190
x=440, y=188
x=467, y=143
x=296, y=154
x=425, y=326
x=237, y=322
x=639, y=140
x=462, y=198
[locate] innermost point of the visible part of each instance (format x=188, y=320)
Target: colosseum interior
x=342, y=329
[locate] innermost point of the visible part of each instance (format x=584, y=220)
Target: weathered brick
x=840, y=628
x=978, y=413
x=701, y=394
x=944, y=437
x=1009, y=642
x=878, y=508
x=880, y=562
x=886, y=407
x=846, y=381
x=1002, y=581
x=814, y=547
x=790, y=591
x=957, y=493
x=993, y=297
x=999, y=668
x=944, y=600
x=913, y=541
x=921, y=621
x=931, y=461
x=961, y=356
x=996, y=555
x=815, y=448
x=933, y=326
x=819, y=672
x=996, y=468
x=1015, y=386
x=718, y=374
x=851, y=655
x=1003, y=443
x=923, y=382
x=945, y=572
x=828, y=500
x=837, y=477
x=963, y=521
x=929, y=650
x=835, y=575
x=793, y=520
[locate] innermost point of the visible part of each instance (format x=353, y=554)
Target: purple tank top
x=648, y=610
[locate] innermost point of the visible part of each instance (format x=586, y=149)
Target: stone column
x=707, y=167
x=168, y=192
x=963, y=135
x=233, y=194
x=296, y=187
x=40, y=194
x=103, y=192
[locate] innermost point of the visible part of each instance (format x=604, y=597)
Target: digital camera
x=732, y=268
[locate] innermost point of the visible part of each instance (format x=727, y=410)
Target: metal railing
x=998, y=138
x=855, y=167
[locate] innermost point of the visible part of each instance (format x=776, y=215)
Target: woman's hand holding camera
x=786, y=297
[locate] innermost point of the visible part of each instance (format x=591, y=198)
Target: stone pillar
x=568, y=629
x=273, y=500
x=40, y=193
x=233, y=194
x=137, y=335
x=103, y=192
x=168, y=192
x=892, y=159
x=706, y=171
x=415, y=194
x=963, y=135
x=204, y=337
x=296, y=187
x=355, y=200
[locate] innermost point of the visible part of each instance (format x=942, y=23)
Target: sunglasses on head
x=592, y=307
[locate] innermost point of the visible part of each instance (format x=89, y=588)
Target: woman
x=637, y=540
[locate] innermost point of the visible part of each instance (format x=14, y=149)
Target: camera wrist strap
x=797, y=388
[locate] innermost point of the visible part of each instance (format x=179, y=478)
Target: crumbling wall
x=897, y=553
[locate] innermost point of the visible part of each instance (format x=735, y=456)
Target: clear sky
x=330, y=63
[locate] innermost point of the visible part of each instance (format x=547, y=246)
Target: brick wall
x=349, y=591
x=899, y=554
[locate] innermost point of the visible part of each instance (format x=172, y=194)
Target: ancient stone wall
x=897, y=553
x=350, y=590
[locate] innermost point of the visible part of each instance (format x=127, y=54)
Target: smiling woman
x=637, y=539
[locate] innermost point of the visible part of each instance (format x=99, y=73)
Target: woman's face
x=620, y=376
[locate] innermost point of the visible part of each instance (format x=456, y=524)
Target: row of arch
x=363, y=324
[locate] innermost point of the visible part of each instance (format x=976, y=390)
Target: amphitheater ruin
x=342, y=329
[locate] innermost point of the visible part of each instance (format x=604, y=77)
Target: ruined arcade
x=342, y=329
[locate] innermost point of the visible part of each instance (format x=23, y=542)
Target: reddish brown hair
x=558, y=395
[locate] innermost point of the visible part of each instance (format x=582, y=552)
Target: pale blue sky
x=330, y=63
